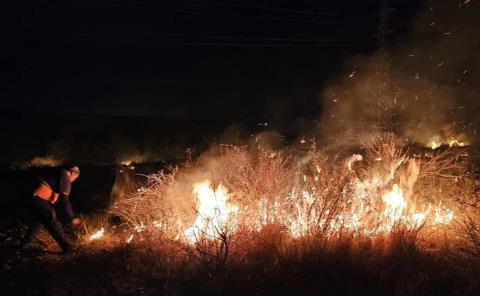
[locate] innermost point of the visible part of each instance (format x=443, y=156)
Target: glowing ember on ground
x=97, y=235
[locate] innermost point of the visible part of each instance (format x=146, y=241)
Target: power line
x=262, y=18
x=185, y=43
x=286, y=10
x=249, y=38
x=300, y=40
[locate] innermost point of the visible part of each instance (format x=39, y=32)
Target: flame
x=395, y=204
x=141, y=227
x=434, y=144
x=443, y=216
x=297, y=214
x=365, y=205
x=132, y=159
x=97, y=235
x=418, y=219
x=157, y=224
x=41, y=161
x=456, y=143
x=450, y=141
x=213, y=213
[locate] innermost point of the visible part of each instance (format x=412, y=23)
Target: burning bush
x=237, y=193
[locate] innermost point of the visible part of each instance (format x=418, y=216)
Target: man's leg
x=31, y=233
x=50, y=221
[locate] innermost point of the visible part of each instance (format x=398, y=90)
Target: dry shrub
x=255, y=174
x=300, y=205
x=463, y=252
x=152, y=206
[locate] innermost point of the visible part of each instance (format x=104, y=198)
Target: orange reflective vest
x=44, y=191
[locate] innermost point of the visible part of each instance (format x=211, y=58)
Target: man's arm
x=64, y=189
x=67, y=207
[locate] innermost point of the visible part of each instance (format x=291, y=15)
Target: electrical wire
x=217, y=37
x=286, y=10
x=185, y=43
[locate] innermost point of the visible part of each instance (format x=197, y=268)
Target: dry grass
x=313, y=190
x=269, y=186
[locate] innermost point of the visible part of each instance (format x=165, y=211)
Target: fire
x=298, y=214
x=418, y=219
x=213, y=213
x=434, y=144
x=98, y=234
x=395, y=204
x=41, y=161
x=443, y=216
x=456, y=143
x=437, y=142
x=366, y=195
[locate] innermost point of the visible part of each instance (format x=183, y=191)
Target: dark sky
x=232, y=59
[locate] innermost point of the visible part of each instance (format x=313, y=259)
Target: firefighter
x=51, y=191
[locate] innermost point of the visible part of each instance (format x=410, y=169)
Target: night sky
x=232, y=60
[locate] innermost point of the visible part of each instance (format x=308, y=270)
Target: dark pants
x=44, y=214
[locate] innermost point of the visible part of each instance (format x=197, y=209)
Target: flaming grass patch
x=235, y=195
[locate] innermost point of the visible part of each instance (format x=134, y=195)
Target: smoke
x=427, y=88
